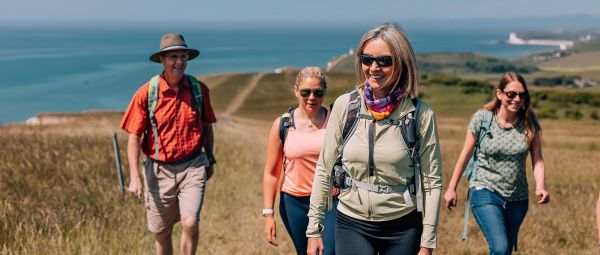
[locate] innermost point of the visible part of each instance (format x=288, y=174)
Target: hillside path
x=237, y=102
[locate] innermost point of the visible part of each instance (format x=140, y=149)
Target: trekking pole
x=118, y=161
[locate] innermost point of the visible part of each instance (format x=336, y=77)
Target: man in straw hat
x=170, y=120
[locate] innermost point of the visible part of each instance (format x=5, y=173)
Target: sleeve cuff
x=429, y=238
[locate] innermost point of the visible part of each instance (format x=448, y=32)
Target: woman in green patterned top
x=498, y=185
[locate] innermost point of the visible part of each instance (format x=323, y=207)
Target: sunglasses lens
x=366, y=59
x=384, y=61
x=305, y=92
x=319, y=93
x=512, y=94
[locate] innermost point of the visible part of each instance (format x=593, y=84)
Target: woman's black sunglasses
x=382, y=61
x=512, y=94
x=316, y=92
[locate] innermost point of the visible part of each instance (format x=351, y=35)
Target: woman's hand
x=450, y=197
x=425, y=251
x=270, y=230
x=315, y=246
x=543, y=196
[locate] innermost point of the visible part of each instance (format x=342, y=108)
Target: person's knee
x=164, y=235
x=189, y=223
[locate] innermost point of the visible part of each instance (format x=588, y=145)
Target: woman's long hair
x=524, y=113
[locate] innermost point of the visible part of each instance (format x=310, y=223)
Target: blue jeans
x=294, y=214
x=498, y=219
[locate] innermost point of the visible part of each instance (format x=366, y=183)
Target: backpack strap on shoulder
x=352, y=115
x=285, y=122
x=484, y=131
x=153, y=88
x=471, y=170
x=196, y=92
x=409, y=129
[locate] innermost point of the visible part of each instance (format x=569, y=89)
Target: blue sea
x=69, y=69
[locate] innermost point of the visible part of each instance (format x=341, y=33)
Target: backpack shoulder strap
x=196, y=91
x=471, y=168
x=352, y=111
x=486, y=122
x=153, y=88
x=285, y=122
x=409, y=129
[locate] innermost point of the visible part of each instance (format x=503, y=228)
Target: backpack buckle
x=383, y=188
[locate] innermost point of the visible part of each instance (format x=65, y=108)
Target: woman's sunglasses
x=512, y=94
x=317, y=92
x=382, y=61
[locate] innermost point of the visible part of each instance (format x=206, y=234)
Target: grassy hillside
x=59, y=190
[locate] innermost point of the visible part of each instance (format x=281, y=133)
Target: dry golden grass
x=59, y=193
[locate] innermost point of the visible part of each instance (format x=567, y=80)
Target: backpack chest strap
x=383, y=188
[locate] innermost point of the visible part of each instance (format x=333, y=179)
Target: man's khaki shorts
x=173, y=189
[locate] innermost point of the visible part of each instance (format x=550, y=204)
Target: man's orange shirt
x=179, y=126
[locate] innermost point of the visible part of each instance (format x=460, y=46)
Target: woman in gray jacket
x=387, y=203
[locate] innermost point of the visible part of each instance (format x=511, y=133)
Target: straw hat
x=169, y=42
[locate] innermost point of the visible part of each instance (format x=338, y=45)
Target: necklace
x=506, y=125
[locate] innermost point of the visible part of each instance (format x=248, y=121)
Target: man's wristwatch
x=267, y=212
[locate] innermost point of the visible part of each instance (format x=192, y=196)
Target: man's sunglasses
x=382, y=61
x=512, y=94
x=317, y=92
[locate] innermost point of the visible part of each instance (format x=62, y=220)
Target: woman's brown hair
x=524, y=113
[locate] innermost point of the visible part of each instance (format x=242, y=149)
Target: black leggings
x=399, y=236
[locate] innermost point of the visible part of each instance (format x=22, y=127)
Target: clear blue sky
x=282, y=11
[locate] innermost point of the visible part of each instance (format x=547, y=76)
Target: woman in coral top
x=296, y=157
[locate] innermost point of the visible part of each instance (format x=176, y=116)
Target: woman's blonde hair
x=403, y=57
x=524, y=113
x=311, y=72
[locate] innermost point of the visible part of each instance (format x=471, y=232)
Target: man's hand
x=135, y=186
x=210, y=170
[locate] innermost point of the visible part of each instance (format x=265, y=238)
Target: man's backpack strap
x=196, y=92
x=153, y=91
x=153, y=88
x=471, y=171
